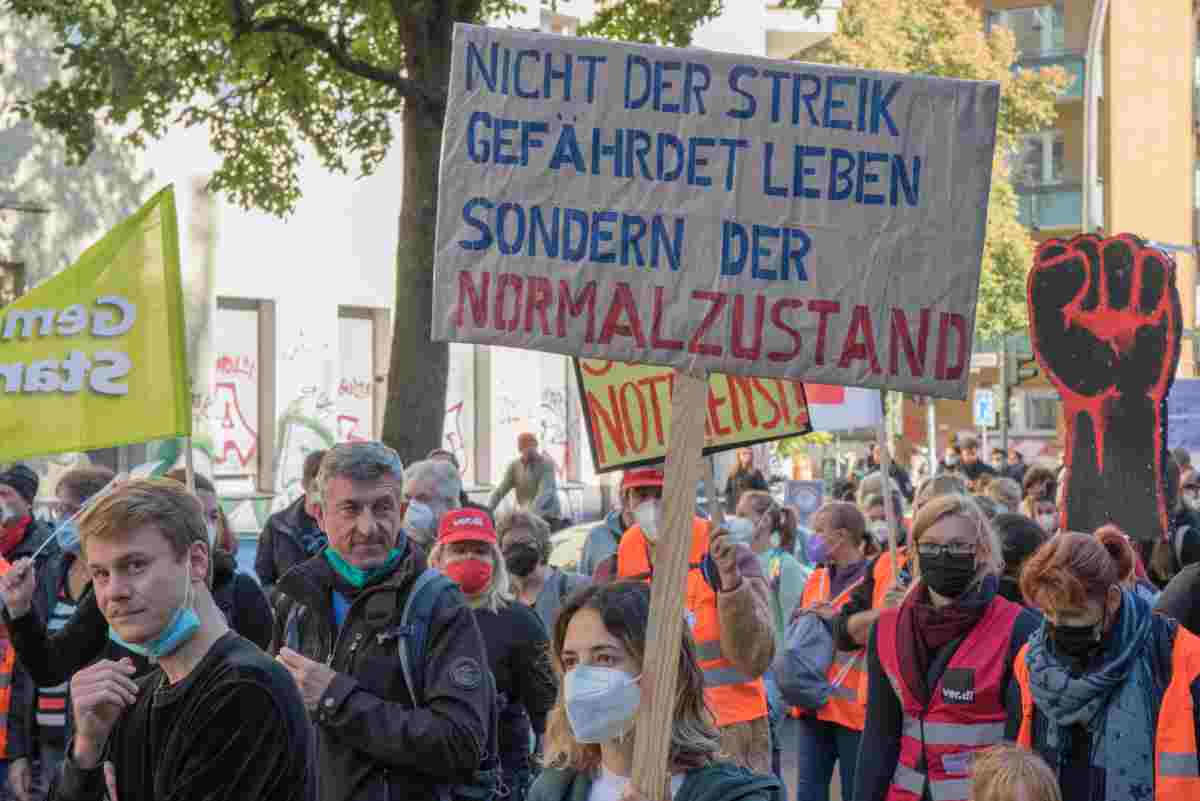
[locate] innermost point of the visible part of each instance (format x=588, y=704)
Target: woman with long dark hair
x=599, y=651
x=742, y=478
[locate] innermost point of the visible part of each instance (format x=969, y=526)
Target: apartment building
x=1146, y=172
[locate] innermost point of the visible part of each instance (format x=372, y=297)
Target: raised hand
x=99, y=694
x=17, y=587
x=1105, y=323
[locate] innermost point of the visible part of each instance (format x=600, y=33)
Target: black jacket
x=241, y=599
x=52, y=658
x=20, y=722
x=1181, y=599
x=371, y=742
x=289, y=538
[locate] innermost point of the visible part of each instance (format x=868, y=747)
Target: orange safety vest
x=732, y=696
x=1177, y=763
x=884, y=575
x=847, y=704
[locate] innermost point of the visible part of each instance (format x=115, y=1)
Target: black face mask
x=1078, y=644
x=947, y=574
x=521, y=560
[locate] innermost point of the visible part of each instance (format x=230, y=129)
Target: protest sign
x=627, y=411
x=806, y=496
x=1105, y=324
x=94, y=357
x=1183, y=412
x=834, y=408
x=711, y=211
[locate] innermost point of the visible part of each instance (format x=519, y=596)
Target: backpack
x=801, y=668
x=423, y=598
x=413, y=643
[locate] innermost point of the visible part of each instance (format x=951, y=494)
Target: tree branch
x=244, y=23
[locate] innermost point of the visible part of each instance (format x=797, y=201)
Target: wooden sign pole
x=689, y=403
x=885, y=467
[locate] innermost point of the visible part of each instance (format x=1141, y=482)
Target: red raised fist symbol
x=1105, y=322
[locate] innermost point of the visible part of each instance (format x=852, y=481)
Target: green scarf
x=358, y=577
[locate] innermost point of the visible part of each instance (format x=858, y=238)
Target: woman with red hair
x=1109, y=690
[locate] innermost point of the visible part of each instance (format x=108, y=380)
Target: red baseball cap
x=642, y=477
x=467, y=525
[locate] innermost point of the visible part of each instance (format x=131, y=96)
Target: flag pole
x=189, y=467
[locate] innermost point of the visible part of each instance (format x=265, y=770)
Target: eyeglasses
x=929, y=550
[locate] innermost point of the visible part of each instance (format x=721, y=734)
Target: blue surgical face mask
x=601, y=702
x=183, y=626
x=67, y=535
x=421, y=522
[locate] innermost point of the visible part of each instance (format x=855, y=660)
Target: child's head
x=1009, y=773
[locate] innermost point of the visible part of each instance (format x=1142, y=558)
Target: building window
x=363, y=346
x=1039, y=159
x=242, y=407
x=1039, y=30
x=1041, y=411
x=561, y=24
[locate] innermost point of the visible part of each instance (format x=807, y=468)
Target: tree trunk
x=416, y=405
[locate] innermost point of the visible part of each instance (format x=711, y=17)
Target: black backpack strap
x=291, y=628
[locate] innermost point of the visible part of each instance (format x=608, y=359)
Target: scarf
x=1115, y=701
x=358, y=578
x=924, y=629
x=842, y=577
x=13, y=535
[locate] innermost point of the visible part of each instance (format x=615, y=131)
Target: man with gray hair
x=431, y=488
x=395, y=700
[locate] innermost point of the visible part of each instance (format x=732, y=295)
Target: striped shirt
x=52, y=701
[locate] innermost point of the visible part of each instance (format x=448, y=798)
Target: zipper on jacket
x=349, y=613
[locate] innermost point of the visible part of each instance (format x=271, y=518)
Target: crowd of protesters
x=402, y=642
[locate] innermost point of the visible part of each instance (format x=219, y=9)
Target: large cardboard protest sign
x=94, y=357
x=1105, y=325
x=627, y=409
x=710, y=211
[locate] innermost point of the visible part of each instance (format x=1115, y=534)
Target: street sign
x=985, y=408
x=982, y=360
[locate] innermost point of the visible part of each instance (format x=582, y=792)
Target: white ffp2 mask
x=601, y=702
x=648, y=516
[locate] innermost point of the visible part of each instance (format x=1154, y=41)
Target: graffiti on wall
x=556, y=434
x=455, y=437
x=232, y=412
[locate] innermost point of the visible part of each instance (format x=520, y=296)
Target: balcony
x=1050, y=207
x=1070, y=60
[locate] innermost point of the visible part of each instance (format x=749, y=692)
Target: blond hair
x=498, y=592
x=941, y=484
x=1008, y=773
x=1005, y=492
x=160, y=502
x=990, y=555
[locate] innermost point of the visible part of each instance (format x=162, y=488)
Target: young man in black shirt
x=217, y=718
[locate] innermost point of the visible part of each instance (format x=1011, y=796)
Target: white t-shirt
x=608, y=786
